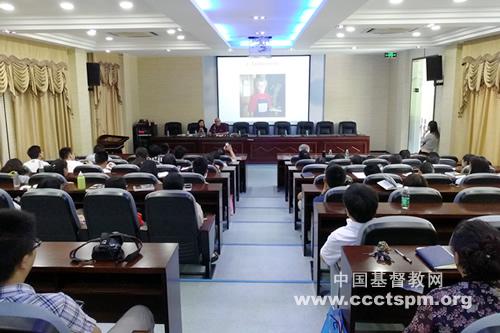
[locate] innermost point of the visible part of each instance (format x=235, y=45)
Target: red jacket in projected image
x=256, y=99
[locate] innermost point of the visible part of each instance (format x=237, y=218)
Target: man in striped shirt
x=18, y=246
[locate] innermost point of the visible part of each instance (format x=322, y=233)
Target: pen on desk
x=402, y=255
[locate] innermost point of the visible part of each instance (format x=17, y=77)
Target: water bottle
x=258, y=132
x=405, y=198
x=347, y=153
x=16, y=181
x=239, y=133
x=307, y=132
x=168, y=133
x=286, y=132
x=80, y=181
x=330, y=152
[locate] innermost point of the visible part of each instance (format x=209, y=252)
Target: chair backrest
x=375, y=178
x=413, y=162
x=340, y=161
x=179, y=225
x=324, y=127
x=6, y=179
x=305, y=127
x=37, y=178
x=95, y=178
x=451, y=157
x=442, y=168
x=29, y=318
x=448, y=161
x=398, y=230
x=494, y=220
x=119, y=161
x=376, y=161
x=437, y=178
x=241, y=127
x=302, y=163
x=420, y=157
x=478, y=195
x=397, y=168
x=386, y=157
x=108, y=210
x=219, y=163
x=193, y=178
x=481, y=179
x=261, y=127
x=5, y=200
x=226, y=158
x=183, y=163
x=355, y=168
x=282, y=128
x=141, y=178
x=335, y=194
x=319, y=180
x=314, y=168
x=418, y=194
x=212, y=169
x=87, y=168
x=192, y=128
x=123, y=169
x=55, y=213
x=191, y=157
x=348, y=127
x=173, y=128
x=114, y=157
x=488, y=324
x=167, y=168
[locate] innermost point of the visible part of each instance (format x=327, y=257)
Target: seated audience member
x=357, y=159
x=304, y=147
x=228, y=149
x=66, y=154
x=361, y=203
x=15, y=165
x=335, y=176
x=179, y=152
x=155, y=153
x=219, y=128
x=395, y=159
x=97, y=148
x=119, y=182
x=200, y=166
x=479, y=165
x=426, y=167
x=321, y=159
x=174, y=181
x=338, y=156
x=371, y=169
x=405, y=153
x=476, y=248
x=169, y=159
x=18, y=247
x=415, y=180
x=141, y=155
x=466, y=163
x=149, y=166
x=433, y=157
x=50, y=183
x=36, y=163
x=101, y=159
x=165, y=148
x=303, y=155
x=58, y=166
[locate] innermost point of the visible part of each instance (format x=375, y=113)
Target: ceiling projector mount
x=260, y=46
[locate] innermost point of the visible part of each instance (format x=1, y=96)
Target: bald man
x=219, y=128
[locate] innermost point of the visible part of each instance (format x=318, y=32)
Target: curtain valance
x=480, y=72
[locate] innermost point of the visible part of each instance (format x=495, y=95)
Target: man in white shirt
x=36, y=162
x=66, y=154
x=361, y=203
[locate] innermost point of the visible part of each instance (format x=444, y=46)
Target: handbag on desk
x=334, y=322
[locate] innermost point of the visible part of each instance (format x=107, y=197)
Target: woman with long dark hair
x=430, y=141
x=201, y=129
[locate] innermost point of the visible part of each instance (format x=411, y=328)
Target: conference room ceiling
x=221, y=27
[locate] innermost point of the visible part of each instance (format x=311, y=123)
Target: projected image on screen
x=262, y=95
x=263, y=89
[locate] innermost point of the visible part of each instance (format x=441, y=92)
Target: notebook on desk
x=437, y=257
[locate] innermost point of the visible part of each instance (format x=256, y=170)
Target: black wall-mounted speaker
x=93, y=74
x=434, y=68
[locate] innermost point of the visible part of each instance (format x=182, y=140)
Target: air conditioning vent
x=134, y=34
x=389, y=31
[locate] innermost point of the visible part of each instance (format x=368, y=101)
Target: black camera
x=110, y=248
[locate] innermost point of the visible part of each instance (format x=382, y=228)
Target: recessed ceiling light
x=108, y=51
x=67, y=5
x=395, y=2
x=340, y=26
x=340, y=35
x=416, y=34
x=255, y=17
x=7, y=6
x=168, y=50
x=171, y=31
x=229, y=50
x=350, y=29
x=262, y=17
x=91, y=32
x=418, y=46
x=430, y=25
x=436, y=27
x=292, y=49
x=354, y=47
x=181, y=37
x=109, y=38
x=126, y=5
x=459, y=1
x=179, y=29
x=259, y=18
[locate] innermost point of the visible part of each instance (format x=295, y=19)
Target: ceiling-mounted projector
x=260, y=46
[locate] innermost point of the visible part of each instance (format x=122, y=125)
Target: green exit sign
x=391, y=55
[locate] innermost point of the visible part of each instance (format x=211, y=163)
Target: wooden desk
x=445, y=217
x=110, y=289
x=241, y=161
x=355, y=260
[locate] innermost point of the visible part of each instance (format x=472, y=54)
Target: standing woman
x=201, y=130
x=430, y=141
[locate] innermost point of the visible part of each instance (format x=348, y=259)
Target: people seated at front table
x=174, y=181
x=476, y=248
x=335, y=176
x=219, y=128
x=101, y=159
x=18, y=248
x=36, y=161
x=66, y=153
x=415, y=180
x=15, y=165
x=201, y=130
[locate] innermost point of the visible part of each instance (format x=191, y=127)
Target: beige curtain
x=107, y=117
x=480, y=105
x=41, y=110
